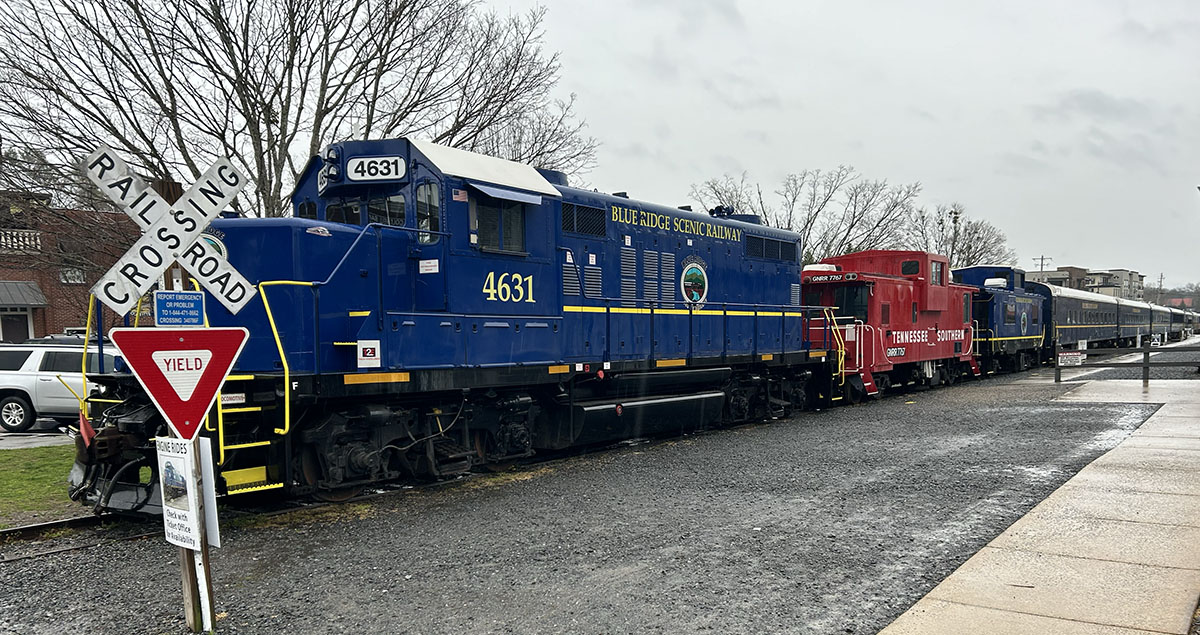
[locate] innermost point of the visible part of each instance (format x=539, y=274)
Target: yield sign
x=182, y=369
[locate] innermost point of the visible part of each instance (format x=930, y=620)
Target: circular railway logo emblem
x=693, y=282
x=214, y=242
x=1024, y=322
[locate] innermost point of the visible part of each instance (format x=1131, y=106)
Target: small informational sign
x=428, y=266
x=179, y=492
x=1082, y=345
x=368, y=354
x=178, y=308
x=1070, y=358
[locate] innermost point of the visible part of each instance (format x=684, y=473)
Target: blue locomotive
x=1009, y=327
x=428, y=309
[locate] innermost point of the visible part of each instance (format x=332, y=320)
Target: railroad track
x=9, y=537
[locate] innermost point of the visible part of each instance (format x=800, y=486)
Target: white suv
x=30, y=386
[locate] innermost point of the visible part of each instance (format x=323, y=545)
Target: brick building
x=49, y=259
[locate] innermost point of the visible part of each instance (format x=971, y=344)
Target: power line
x=1041, y=260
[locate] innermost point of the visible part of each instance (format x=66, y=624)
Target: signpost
x=181, y=366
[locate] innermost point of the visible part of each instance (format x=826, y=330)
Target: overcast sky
x=1073, y=126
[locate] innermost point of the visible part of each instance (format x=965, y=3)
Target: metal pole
x=1057, y=367
x=1146, y=363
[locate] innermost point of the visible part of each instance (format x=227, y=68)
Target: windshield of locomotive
x=851, y=300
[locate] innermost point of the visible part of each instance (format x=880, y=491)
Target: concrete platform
x=1114, y=550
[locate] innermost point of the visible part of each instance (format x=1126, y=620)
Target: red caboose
x=901, y=318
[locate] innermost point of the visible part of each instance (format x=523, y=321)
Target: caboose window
x=910, y=267
x=935, y=272
x=851, y=300
x=966, y=308
x=500, y=224
x=386, y=211
x=429, y=212
x=1010, y=313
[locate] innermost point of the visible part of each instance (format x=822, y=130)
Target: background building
x=1119, y=283
x=49, y=259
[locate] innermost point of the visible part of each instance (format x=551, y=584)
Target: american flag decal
x=460, y=196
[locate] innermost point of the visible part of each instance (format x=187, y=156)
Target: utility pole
x=1160, y=289
x=1041, y=260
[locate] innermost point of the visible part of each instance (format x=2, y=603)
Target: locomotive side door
x=427, y=256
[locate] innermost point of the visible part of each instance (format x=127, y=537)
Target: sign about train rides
x=170, y=233
x=181, y=369
x=1070, y=358
x=181, y=495
x=178, y=308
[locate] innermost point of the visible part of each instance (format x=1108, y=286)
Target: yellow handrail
x=841, y=345
x=287, y=378
x=87, y=335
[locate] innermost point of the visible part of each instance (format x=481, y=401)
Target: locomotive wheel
x=310, y=467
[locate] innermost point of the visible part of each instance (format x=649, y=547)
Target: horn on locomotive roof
x=621, y=194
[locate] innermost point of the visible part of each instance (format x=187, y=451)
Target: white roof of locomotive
x=470, y=165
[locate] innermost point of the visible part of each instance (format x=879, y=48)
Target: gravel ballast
x=831, y=522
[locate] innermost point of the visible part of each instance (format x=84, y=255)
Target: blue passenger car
x=1009, y=327
x=1078, y=318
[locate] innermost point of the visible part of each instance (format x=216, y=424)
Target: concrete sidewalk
x=1115, y=550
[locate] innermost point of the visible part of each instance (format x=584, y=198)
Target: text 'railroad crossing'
x=169, y=233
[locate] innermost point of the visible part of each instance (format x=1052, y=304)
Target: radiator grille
x=593, y=282
x=667, y=289
x=570, y=284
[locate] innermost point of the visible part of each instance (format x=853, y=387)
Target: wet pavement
x=832, y=522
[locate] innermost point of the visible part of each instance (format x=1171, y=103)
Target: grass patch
x=34, y=481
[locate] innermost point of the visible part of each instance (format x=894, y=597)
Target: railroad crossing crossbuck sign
x=169, y=233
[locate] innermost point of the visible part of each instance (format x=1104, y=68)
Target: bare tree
x=739, y=194
x=834, y=212
x=965, y=241
x=173, y=85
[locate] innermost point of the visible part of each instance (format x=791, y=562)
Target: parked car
x=30, y=384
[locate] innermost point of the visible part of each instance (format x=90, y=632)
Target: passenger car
x=30, y=384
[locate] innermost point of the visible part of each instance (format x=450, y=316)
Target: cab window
x=307, y=209
x=343, y=211
x=429, y=211
x=500, y=224
x=851, y=300
x=387, y=210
